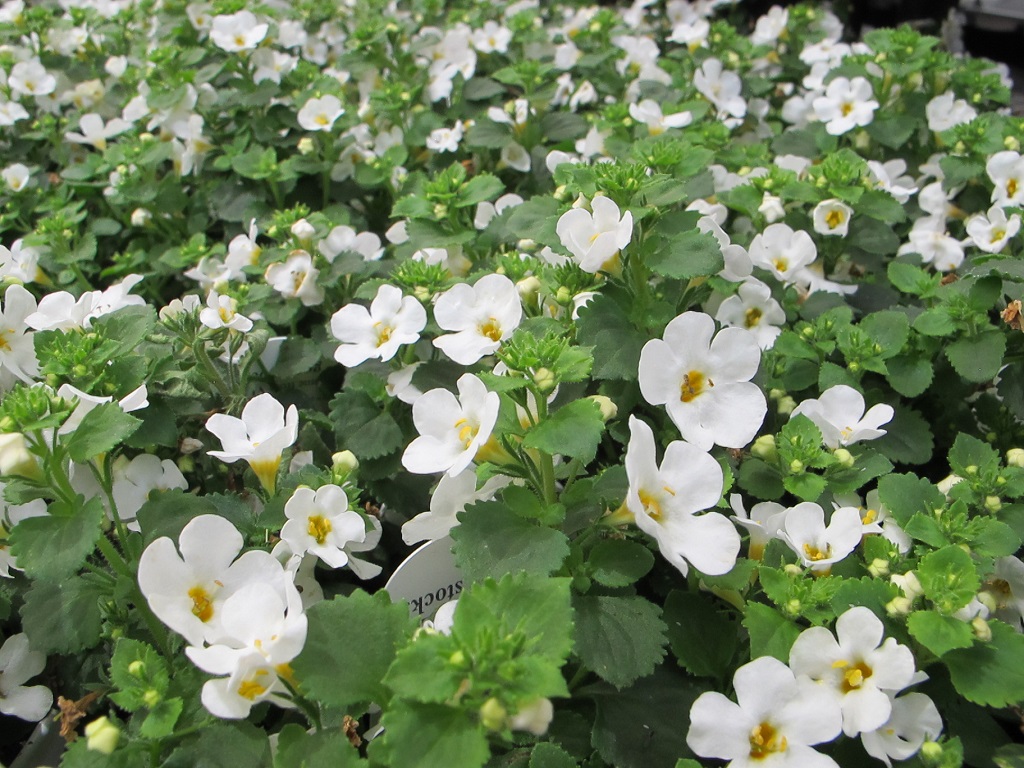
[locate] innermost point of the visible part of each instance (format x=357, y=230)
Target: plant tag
x=428, y=578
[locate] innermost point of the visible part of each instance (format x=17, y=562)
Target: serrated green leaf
x=431, y=735
x=54, y=546
x=573, y=430
x=619, y=638
x=421, y=671
x=907, y=439
x=223, y=746
x=949, y=578
x=771, y=633
x=686, y=256
x=909, y=375
x=362, y=427
x=889, y=329
x=483, y=186
x=617, y=343
x=991, y=538
x=760, y=480
x=938, y=633
x=492, y=540
x=926, y=528
x=63, y=617
x=374, y=625
x=910, y=278
x=548, y=755
x=905, y=495
x=968, y=451
x=978, y=358
x=935, y=322
x=869, y=592
x=161, y=719
x=992, y=673
x=101, y=429
x=153, y=675
x=619, y=562
x=535, y=219
x=703, y=637
x=324, y=749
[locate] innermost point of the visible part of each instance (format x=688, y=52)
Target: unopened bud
x=987, y=599
x=305, y=145
x=785, y=405
x=421, y=292
x=793, y=607
x=15, y=458
x=303, y=230
x=1015, y=457
x=981, y=629
x=528, y=288
x=609, y=410
x=457, y=659
x=792, y=569
x=844, y=457
x=908, y=583
x=151, y=697
x=764, y=448
x=993, y=503
x=796, y=466
x=102, y=736
x=534, y=718
x=971, y=470
x=899, y=606
x=563, y=295
x=545, y=380
x=931, y=751
x=879, y=567
x=137, y=668
x=1012, y=143
x=141, y=217
x=493, y=715
x=344, y=461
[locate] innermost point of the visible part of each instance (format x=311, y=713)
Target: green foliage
x=619, y=638
x=573, y=430
x=71, y=531
x=493, y=540
x=703, y=638
x=992, y=673
x=101, y=429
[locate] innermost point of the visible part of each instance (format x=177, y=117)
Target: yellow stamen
x=766, y=740
x=202, y=604
x=780, y=263
x=869, y=516
x=693, y=385
x=814, y=554
x=835, y=218
x=855, y=676
x=491, y=329
x=651, y=504
x=467, y=431
x=1011, y=187
x=846, y=108
x=752, y=317
x=318, y=527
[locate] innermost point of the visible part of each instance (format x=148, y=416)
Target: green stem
x=199, y=350
x=547, y=463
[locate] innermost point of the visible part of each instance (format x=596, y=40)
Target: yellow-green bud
x=529, y=289
x=609, y=410
x=796, y=466
x=785, y=405
x=305, y=145
x=1012, y=143
x=563, y=295
x=1015, y=457
x=545, y=380
x=151, y=697
x=981, y=629
x=137, y=668
x=993, y=503
x=932, y=751
x=440, y=211
x=793, y=607
x=344, y=461
x=493, y=715
x=987, y=599
x=792, y=569
x=844, y=457
x=102, y=736
x=15, y=458
x=764, y=448
x=972, y=470
x=457, y=659
x=899, y=606
x=879, y=567
x=421, y=292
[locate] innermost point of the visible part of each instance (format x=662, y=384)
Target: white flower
x=344, y=238
x=19, y=263
x=133, y=401
x=486, y=211
x=16, y=176
x=17, y=348
x=237, y=31
x=18, y=663
x=482, y=315
x=832, y=217
x=295, y=278
x=839, y=414
x=722, y=88
x=770, y=26
x=515, y=156
x=665, y=499
x=889, y=177
x=595, y=238
x=946, y=111
x=222, y=312
x=320, y=522
x=753, y=308
x=451, y=496
x=819, y=547
x=399, y=383
x=992, y=231
x=1006, y=170
x=847, y=104
x=30, y=78
x=703, y=379
x=320, y=114
x=764, y=522
x=492, y=38
x=95, y=132
x=857, y=669
x=914, y=719
x=1006, y=585
x=445, y=139
x=777, y=719
x=392, y=321
x=452, y=430
x=771, y=208
x=187, y=591
x=875, y=518
x=259, y=437
x=782, y=251
x=649, y=113
x=933, y=244
x=135, y=483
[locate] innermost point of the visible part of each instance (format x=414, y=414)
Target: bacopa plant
x=689, y=343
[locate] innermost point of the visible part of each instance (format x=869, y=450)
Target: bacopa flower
x=236, y=32
x=320, y=522
x=832, y=217
x=914, y=718
x=703, y=379
x=295, y=278
x=990, y=232
x=946, y=111
x=18, y=663
x=776, y=720
x=649, y=113
x=320, y=114
x=450, y=497
x=839, y=414
x=392, y=321
x=594, y=238
x=847, y=104
x=222, y=312
x=259, y=437
x=665, y=499
x=17, y=348
x=753, y=308
x=95, y=132
x=763, y=523
x=1006, y=170
x=481, y=315
x=818, y=546
x=452, y=430
x=855, y=667
x=186, y=591
x=783, y=252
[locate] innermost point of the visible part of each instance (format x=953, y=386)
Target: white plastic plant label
x=428, y=579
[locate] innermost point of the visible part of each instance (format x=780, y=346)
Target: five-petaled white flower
x=236, y=32
x=649, y=113
x=776, y=721
x=664, y=501
x=450, y=497
x=752, y=307
x=391, y=321
x=18, y=663
x=846, y=104
x=222, y=312
x=991, y=231
x=320, y=114
x=703, y=379
x=320, y=522
x=914, y=719
x=594, y=239
x=832, y=217
x=259, y=437
x=839, y=414
x=818, y=546
x=17, y=348
x=295, y=278
x=481, y=315
x=857, y=669
x=452, y=430
x=1006, y=170
x=783, y=252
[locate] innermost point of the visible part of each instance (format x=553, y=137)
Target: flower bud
x=141, y=217
x=989, y=600
x=971, y=470
x=563, y=295
x=981, y=629
x=879, y=567
x=151, y=697
x=792, y=569
x=908, y=583
x=844, y=457
x=993, y=503
x=305, y=145
x=190, y=445
x=785, y=405
x=493, y=715
x=771, y=208
x=793, y=607
x=1015, y=457
x=796, y=466
x=102, y=736
x=15, y=458
x=609, y=410
x=764, y=448
x=457, y=659
x=137, y=668
x=303, y=230
x=545, y=380
x=1012, y=143
x=421, y=292
x=344, y=461
x=931, y=751
x=899, y=606
x=534, y=718
x=528, y=289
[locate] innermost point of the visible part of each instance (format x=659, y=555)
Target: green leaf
x=619, y=562
x=939, y=633
x=162, y=718
x=991, y=538
x=907, y=439
x=483, y=186
x=978, y=358
x=968, y=451
x=493, y=540
x=223, y=746
x=619, y=638
x=760, y=480
x=1009, y=756
x=54, y=546
x=128, y=326
x=806, y=486
x=889, y=329
x=63, y=617
x=362, y=427
x=686, y=255
x=910, y=278
x=873, y=236
x=869, y=592
x=992, y=673
x=771, y=633
x=909, y=375
x=926, y=528
x=573, y=430
x=166, y=513
x=422, y=672
x=131, y=688
x=432, y=735
x=935, y=322
x=905, y=495
x=535, y=219
x=949, y=578
x=101, y=429
x=324, y=749
x=702, y=636
x=481, y=89
x=616, y=342
x=559, y=126
x=326, y=667
x=548, y=755
x=891, y=131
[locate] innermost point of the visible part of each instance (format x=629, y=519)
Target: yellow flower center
x=383, y=334
x=693, y=385
x=240, y=41
x=651, y=505
x=1011, y=187
x=752, y=317
x=467, y=431
x=251, y=687
x=846, y=108
x=835, y=218
x=765, y=740
x=869, y=516
x=321, y=119
x=997, y=235
x=491, y=329
x=780, y=263
x=814, y=554
x=202, y=604
x=318, y=527
x=5, y=333
x=855, y=674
